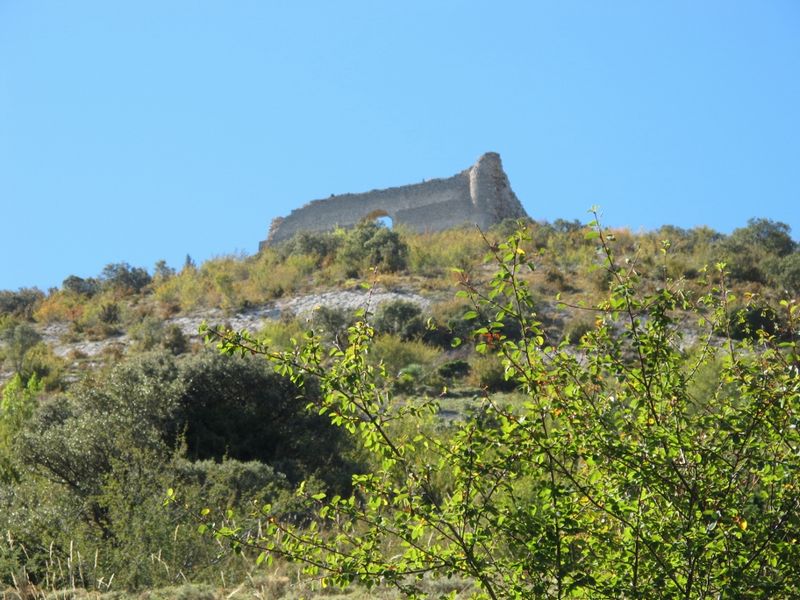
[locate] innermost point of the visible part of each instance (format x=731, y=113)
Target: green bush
x=784, y=273
x=331, y=324
x=322, y=245
x=576, y=328
x=489, y=373
x=447, y=324
x=399, y=317
x=80, y=286
x=21, y=304
x=121, y=277
x=396, y=354
x=755, y=320
x=454, y=369
x=19, y=339
x=371, y=244
x=609, y=479
x=240, y=409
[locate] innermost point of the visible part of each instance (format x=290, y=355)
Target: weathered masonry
x=480, y=195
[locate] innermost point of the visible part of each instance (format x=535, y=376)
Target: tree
x=784, y=273
x=613, y=479
x=17, y=405
x=87, y=471
x=19, y=338
x=124, y=278
x=400, y=317
x=753, y=250
x=162, y=271
x=80, y=286
x=241, y=409
x=374, y=245
x=771, y=236
x=21, y=303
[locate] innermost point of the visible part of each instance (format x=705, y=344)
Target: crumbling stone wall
x=480, y=195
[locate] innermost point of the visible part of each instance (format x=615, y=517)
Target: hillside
x=111, y=395
x=127, y=308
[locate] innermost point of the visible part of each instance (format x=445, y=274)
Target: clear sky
x=145, y=130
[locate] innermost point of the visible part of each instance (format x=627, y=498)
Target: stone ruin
x=480, y=195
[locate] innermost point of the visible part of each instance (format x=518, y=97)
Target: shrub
x=454, y=369
x=784, y=273
x=447, y=324
x=271, y=277
x=121, y=277
x=331, y=323
x=576, y=328
x=21, y=304
x=489, y=373
x=280, y=332
x=371, y=244
x=147, y=333
x=433, y=254
x=753, y=321
x=607, y=482
x=409, y=378
x=321, y=245
x=19, y=339
x=80, y=286
x=772, y=237
x=397, y=354
x=174, y=340
x=241, y=409
x=399, y=317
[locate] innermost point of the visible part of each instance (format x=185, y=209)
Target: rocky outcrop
x=480, y=195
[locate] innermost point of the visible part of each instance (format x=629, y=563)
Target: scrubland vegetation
x=592, y=413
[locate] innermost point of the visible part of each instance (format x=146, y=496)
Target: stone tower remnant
x=480, y=195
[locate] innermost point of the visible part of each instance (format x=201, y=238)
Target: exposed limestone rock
x=480, y=195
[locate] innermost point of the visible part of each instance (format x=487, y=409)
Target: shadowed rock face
x=480, y=195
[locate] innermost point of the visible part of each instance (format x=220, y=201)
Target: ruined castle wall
x=479, y=195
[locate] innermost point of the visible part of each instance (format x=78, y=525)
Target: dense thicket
x=89, y=470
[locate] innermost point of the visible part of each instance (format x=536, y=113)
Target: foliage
x=332, y=323
x=447, y=324
x=773, y=237
x=434, y=254
x=489, y=374
x=241, y=409
x=21, y=303
x=16, y=407
x=151, y=333
x=135, y=402
x=754, y=321
x=124, y=278
x=394, y=354
x=371, y=244
x=80, y=286
x=162, y=271
x=87, y=471
x=401, y=318
x=784, y=273
x=576, y=328
x=753, y=250
x=322, y=245
x=454, y=369
x=612, y=480
x=19, y=339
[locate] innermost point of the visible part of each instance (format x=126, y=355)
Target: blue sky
x=147, y=130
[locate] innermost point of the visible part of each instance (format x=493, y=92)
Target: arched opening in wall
x=381, y=216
